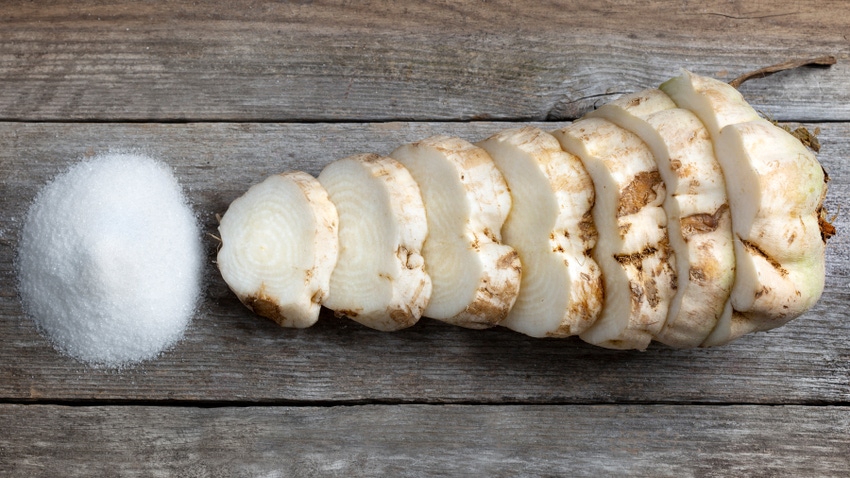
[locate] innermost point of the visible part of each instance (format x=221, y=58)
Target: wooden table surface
x=230, y=92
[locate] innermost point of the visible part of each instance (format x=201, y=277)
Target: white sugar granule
x=110, y=259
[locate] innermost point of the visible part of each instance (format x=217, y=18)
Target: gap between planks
x=89, y=403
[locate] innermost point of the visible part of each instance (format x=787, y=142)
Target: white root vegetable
x=475, y=278
x=676, y=215
x=279, y=246
x=776, y=189
x=698, y=216
x=551, y=228
x=633, y=250
x=379, y=279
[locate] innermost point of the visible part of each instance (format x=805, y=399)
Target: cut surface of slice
x=379, y=279
x=279, y=246
x=632, y=250
x=551, y=228
x=475, y=278
x=698, y=215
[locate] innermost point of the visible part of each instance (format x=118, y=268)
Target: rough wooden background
x=227, y=94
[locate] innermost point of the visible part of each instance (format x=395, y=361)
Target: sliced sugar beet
x=665, y=262
x=279, y=246
x=475, y=278
x=699, y=221
x=379, y=279
x=632, y=250
x=551, y=228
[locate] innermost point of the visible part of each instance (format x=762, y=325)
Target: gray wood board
x=229, y=355
x=416, y=440
x=338, y=60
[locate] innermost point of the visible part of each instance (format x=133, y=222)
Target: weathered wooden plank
x=680, y=441
x=230, y=355
x=338, y=60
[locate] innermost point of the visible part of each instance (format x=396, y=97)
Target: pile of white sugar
x=110, y=259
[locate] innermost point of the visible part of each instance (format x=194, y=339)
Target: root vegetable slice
x=475, y=278
x=776, y=191
x=698, y=215
x=379, y=279
x=551, y=228
x=279, y=246
x=632, y=250
x=773, y=282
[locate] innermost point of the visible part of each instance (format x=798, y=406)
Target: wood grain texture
x=339, y=60
x=231, y=356
x=414, y=441
x=205, y=86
